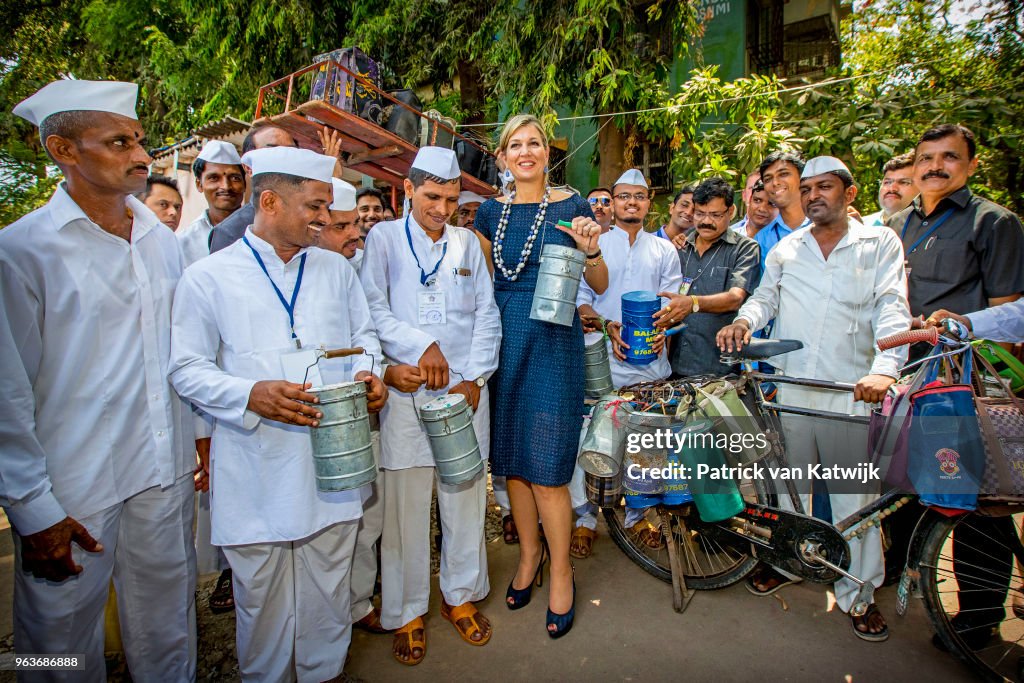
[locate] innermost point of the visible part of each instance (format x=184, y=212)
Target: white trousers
x=364, y=561
x=811, y=440
x=209, y=558
x=293, y=620
x=405, y=544
x=147, y=549
x=500, y=485
x=585, y=510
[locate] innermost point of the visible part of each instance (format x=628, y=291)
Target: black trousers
x=983, y=564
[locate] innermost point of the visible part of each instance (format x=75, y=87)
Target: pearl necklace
x=499, y=236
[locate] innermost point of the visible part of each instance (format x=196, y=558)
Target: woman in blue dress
x=537, y=391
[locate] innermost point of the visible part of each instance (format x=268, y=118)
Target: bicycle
x=710, y=556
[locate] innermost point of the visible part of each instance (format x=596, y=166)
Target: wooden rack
x=367, y=148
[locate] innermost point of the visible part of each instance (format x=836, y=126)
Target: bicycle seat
x=762, y=349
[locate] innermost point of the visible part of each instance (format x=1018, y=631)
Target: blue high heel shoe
x=519, y=598
x=563, y=622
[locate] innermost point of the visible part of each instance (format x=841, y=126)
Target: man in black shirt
x=720, y=269
x=963, y=253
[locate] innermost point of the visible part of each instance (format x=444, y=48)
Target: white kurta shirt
x=650, y=263
x=357, y=260
x=229, y=332
x=838, y=308
x=195, y=238
x=87, y=416
x=469, y=338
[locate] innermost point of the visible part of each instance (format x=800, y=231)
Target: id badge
x=684, y=288
x=432, y=309
x=295, y=363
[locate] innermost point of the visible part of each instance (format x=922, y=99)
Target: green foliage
x=907, y=67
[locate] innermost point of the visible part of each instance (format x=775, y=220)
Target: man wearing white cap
x=844, y=289
x=98, y=449
x=220, y=177
x=231, y=229
x=637, y=260
x=342, y=234
x=247, y=321
x=469, y=202
x=432, y=299
x=342, y=237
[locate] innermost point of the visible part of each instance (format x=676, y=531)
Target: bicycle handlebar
x=928, y=334
x=343, y=353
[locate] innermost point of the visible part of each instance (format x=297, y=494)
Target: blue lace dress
x=537, y=391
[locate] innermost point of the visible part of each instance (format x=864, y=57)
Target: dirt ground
x=217, y=659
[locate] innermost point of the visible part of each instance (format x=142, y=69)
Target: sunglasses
x=600, y=201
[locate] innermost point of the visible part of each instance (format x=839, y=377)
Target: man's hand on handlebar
x=872, y=388
x=936, y=319
x=733, y=337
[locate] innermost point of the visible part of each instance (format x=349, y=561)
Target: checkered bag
x=1002, y=428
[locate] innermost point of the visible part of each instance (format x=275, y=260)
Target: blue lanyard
x=935, y=226
x=289, y=307
x=424, y=277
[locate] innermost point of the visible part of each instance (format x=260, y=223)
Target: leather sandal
x=222, y=599
x=466, y=610
x=876, y=637
x=582, y=542
x=509, y=531
x=767, y=576
x=371, y=622
x=647, y=534
x=406, y=633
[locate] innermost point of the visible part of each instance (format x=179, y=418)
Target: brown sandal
x=647, y=534
x=865, y=621
x=582, y=542
x=468, y=611
x=222, y=599
x=406, y=634
x=509, y=530
x=371, y=622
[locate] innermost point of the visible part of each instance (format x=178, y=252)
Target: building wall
x=725, y=44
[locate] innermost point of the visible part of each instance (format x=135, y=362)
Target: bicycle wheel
x=710, y=558
x=974, y=595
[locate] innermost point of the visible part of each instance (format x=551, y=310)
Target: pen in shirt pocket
x=931, y=240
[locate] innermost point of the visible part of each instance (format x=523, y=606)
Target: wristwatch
x=480, y=382
x=696, y=304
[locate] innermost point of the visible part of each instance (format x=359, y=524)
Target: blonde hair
x=517, y=122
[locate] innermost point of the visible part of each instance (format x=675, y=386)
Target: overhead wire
x=782, y=91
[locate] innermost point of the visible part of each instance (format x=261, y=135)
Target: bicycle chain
x=875, y=519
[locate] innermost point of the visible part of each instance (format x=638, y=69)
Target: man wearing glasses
x=637, y=260
x=720, y=269
x=897, y=190
x=600, y=199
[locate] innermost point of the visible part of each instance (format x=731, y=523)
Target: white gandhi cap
x=439, y=162
x=344, y=196
x=631, y=177
x=819, y=165
x=112, y=97
x=467, y=197
x=303, y=163
x=219, y=152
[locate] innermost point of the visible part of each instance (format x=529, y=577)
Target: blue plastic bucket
x=638, y=309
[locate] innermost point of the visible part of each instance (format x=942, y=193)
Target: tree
x=527, y=55
x=907, y=67
x=194, y=61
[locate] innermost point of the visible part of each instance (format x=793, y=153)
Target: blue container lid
x=641, y=300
